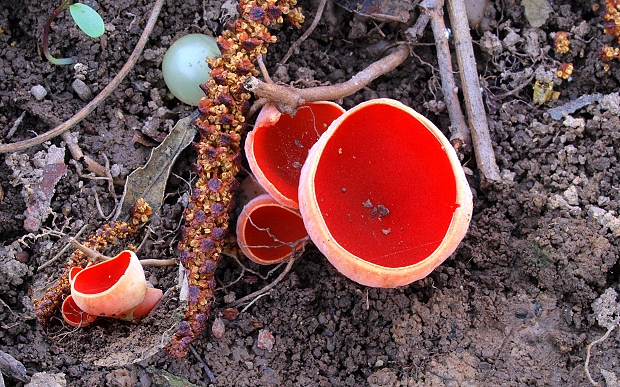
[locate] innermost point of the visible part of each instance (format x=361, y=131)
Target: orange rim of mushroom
x=113, y=288
x=278, y=146
x=268, y=232
x=383, y=195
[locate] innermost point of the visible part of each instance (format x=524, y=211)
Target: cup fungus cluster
x=381, y=193
x=114, y=288
x=270, y=228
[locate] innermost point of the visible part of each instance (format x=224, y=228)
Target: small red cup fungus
x=73, y=315
x=113, y=288
x=268, y=232
x=278, y=146
x=383, y=195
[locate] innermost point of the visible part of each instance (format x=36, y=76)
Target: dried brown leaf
x=149, y=182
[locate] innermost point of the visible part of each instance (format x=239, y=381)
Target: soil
x=511, y=307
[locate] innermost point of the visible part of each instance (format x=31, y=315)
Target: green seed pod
x=185, y=67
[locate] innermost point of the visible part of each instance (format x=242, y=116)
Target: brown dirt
x=512, y=307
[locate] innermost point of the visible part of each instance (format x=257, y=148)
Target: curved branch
x=289, y=99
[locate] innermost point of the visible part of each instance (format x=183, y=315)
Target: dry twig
x=295, y=46
x=61, y=252
x=97, y=256
x=92, y=105
x=288, y=99
x=204, y=365
x=586, y=364
x=267, y=288
x=460, y=137
x=481, y=137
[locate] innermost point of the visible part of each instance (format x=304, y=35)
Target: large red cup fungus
x=383, y=195
x=113, y=288
x=277, y=147
x=268, y=232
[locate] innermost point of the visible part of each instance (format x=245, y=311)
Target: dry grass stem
x=295, y=47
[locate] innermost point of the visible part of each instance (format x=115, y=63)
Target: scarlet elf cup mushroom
x=268, y=232
x=383, y=195
x=270, y=229
x=278, y=146
x=114, y=288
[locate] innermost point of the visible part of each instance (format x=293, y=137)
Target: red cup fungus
x=268, y=232
x=383, y=195
x=278, y=146
x=73, y=315
x=114, y=288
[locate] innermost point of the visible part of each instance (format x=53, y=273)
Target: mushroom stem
x=288, y=99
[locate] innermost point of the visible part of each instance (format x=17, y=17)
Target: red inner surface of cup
x=273, y=232
x=281, y=149
x=385, y=187
x=100, y=277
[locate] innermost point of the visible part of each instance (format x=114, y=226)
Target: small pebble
x=230, y=314
x=22, y=257
x=521, y=314
x=82, y=90
x=115, y=170
x=218, y=329
x=38, y=92
x=265, y=340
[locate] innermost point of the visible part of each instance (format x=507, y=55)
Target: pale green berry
x=185, y=66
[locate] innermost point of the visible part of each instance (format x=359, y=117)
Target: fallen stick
x=481, y=137
x=288, y=99
x=460, y=134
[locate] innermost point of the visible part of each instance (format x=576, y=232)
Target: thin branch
x=90, y=253
x=92, y=105
x=460, y=135
x=267, y=288
x=263, y=69
x=78, y=155
x=288, y=99
x=97, y=256
x=481, y=137
x=295, y=47
x=159, y=262
x=61, y=252
x=204, y=365
x=586, y=365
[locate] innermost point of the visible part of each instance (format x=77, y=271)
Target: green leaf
x=87, y=19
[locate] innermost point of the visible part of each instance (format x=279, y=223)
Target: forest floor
x=511, y=307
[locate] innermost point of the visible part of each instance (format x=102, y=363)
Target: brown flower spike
x=220, y=127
